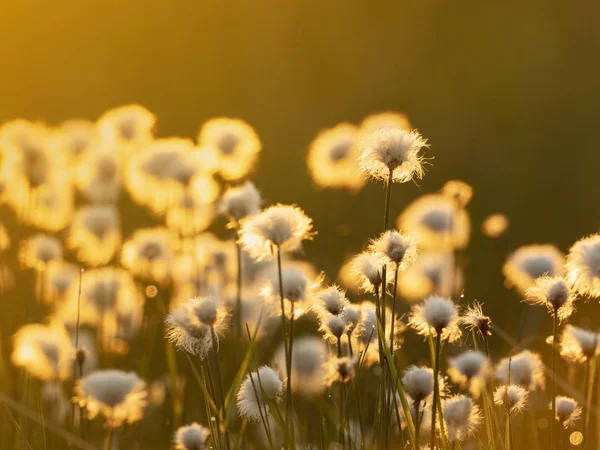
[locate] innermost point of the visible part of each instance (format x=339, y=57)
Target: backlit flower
x=583, y=266
x=530, y=262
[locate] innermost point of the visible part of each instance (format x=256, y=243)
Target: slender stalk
x=350, y=351
x=77, y=363
x=388, y=196
x=553, y=382
x=436, y=393
x=219, y=381
x=287, y=353
x=589, y=389
x=211, y=386
x=393, y=324
x=108, y=439
x=417, y=405
x=260, y=410
x=290, y=352
x=238, y=298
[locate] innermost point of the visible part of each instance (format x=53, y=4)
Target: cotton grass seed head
x=240, y=201
x=368, y=266
x=43, y=351
x=583, y=266
x=258, y=389
x=191, y=437
x=436, y=315
x=339, y=370
x=120, y=397
x=459, y=191
x=281, y=227
x=517, y=397
x=333, y=159
x=332, y=327
x=393, y=151
x=474, y=319
x=95, y=234
x=308, y=365
x=526, y=369
x=39, y=250
x=436, y=222
x=330, y=300
x=555, y=294
x=395, y=248
x=469, y=370
x=530, y=262
x=568, y=411
x=462, y=417
x=578, y=345
x=418, y=382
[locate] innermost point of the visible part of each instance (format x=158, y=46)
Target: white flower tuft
x=331, y=300
x=526, y=369
x=462, y=417
x=530, y=262
x=436, y=315
x=578, y=345
x=555, y=294
x=418, y=382
x=517, y=397
x=396, y=248
x=567, y=411
x=258, y=389
x=583, y=266
x=240, y=201
x=191, y=437
x=469, y=369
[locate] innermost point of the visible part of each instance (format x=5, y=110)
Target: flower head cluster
x=494, y=225
x=393, y=153
x=308, y=366
x=459, y=191
x=120, y=397
x=277, y=228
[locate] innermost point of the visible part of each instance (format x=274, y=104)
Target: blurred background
x=507, y=94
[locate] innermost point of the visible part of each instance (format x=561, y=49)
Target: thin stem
x=589, y=387
x=388, y=196
x=552, y=380
x=290, y=352
x=219, y=380
x=238, y=298
x=350, y=344
x=436, y=370
x=393, y=324
x=287, y=352
x=417, y=405
x=108, y=439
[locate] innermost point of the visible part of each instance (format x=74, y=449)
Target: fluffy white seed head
x=331, y=300
x=462, y=417
x=583, y=266
x=517, y=397
x=418, y=382
x=526, y=369
x=555, y=294
x=578, y=345
x=308, y=370
x=394, y=247
x=469, y=369
x=474, y=318
x=369, y=268
x=351, y=317
x=339, y=370
x=567, y=411
x=258, y=389
x=118, y=396
x=191, y=437
x=240, y=201
x=279, y=226
x=436, y=315
x=333, y=327
x=530, y=262
x=395, y=151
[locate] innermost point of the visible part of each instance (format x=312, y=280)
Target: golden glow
x=494, y=225
x=95, y=234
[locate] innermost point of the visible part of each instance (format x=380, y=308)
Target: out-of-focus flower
x=459, y=191
x=462, y=417
x=578, y=345
x=567, y=411
x=431, y=273
x=333, y=158
x=436, y=315
x=393, y=153
x=474, y=318
x=308, y=370
x=95, y=234
x=583, y=266
x=187, y=216
x=75, y=136
x=418, y=383
x=58, y=278
x=54, y=204
x=340, y=370
x=120, y=397
x=43, y=351
x=54, y=401
x=470, y=369
x=149, y=253
x=330, y=301
x=129, y=124
x=494, y=225
x=395, y=248
x=258, y=390
x=381, y=120
x=436, y=222
x=516, y=396
x=530, y=262
x=526, y=369
x=277, y=228
x=239, y=202
x=367, y=332
x=555, y=294
x=191, y=437
x=99, y=173
x=39, y=250
x=237, y=145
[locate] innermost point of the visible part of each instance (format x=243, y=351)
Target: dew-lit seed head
x=369, y=268
x=474, y=318
x=333, y=327
x=351, y=317
x=331, y=300
x=436, y=315
x=555, y=294
x=308, y=370
x=396, y=248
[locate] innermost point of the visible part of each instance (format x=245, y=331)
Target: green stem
x=436, y=394
x=219, y=381
x=287, y=352
x=388, y=196
x=417, y=405
x=238, y=298
x=553, y=382
x=108, y=439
